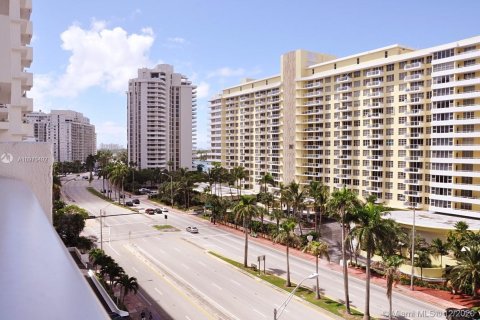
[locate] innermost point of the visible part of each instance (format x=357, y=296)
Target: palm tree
x=129, y=284
x=342, y=205
x=392, y=263
x=318, y=249
x=466, y=275
x=113, y=271
x=104, y=157
x=319, y=193
x=422, y=260
x=239, y=173
x=287, y=236
x=267, y=178
x=297, y=198
x=277, y=214
x=245, y=210
x=120, y=171
x=371, y=231
x=438, y=247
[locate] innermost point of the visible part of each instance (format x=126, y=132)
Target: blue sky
x=85, y=51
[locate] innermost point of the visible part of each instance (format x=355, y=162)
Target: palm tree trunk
x=366, y=314
x=345, y=269
x=317, y=291
x=320, y=223
x=316, y=221
x=289, y=284
x=246, y=242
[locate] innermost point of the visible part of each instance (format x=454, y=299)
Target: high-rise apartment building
x=15, y=57
x=398, y=123
x=161, y=108
x=71, y=133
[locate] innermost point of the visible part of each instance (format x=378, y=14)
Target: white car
x=164, y=209
x=192, y=229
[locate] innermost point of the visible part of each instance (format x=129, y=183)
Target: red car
x=150, y=211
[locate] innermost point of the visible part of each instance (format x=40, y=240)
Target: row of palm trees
x=112, y=274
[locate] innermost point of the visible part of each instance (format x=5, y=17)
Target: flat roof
x=428, y=219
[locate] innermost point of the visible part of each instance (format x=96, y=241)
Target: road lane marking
x=159, y=292
x=216, y=286
x=135, y=269
x=237, y=283
x=187, y=317
x=263, y=315
x=118, y=254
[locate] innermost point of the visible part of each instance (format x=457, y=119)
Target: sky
x=86, y=51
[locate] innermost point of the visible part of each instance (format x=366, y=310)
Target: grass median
x=330, y=305
x=103, y=197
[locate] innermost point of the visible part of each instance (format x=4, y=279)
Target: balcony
x=414, y=89
x=375, y=157
x=375, y=146
x=413, y=101
x=414, y=124
x=411, y=193
x=412, y=146
x=344, y=88
x=373, y=84
x=411, y=181
x=411, y=170
x=374, y=73
x=343, y=79
x=36, y=269
x=374, y=189
x=413, y=77
x=375, y=105
x=375, y=136
x=373, y=178
x=375, y=94
x=412, y=66
x=344, y=147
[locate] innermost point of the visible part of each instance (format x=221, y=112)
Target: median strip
x=306, y=294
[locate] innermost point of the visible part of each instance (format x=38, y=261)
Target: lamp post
x=171, y=187
x=283, y=306
x=317, y=294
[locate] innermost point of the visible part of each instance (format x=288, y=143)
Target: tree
x=392, y=263
x=438, y=247
x=287, y=236
x=458, y=238
x=69, y=223
x=129, y=284
x=466, y=275
x=104, y=157
x=113, y=271
x=372, y=231
x=343, y=204
x=297, y=198
x=319, y=193
x=118, y=174
x=422, y=260
x=239, y=173
x=267, y=178
x=245, y=210
x=318, y=249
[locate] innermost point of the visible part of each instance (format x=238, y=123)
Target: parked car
x=129, y=203
x=158, y=211
x=136, y=201
x=144, y=190
x=164, y=209
x=150, y=211
x=192, y=229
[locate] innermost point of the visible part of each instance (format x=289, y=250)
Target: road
x=181, y=256
x=176, y=271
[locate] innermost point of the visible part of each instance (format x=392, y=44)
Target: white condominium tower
x=71, y=133
x=398, y=123
x=161, y=111
x=15, y=56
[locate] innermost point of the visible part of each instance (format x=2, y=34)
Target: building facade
x=15, y=57
x=161, y=108
x=398, y=123
x=72, y=135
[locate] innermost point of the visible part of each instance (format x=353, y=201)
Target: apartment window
x=402, y=153
x=386, y=54
x=470, y=62
x=389, y=121
x=390, y=67
x=389, y=132
x=443, y=54
x=390, y=89
x=390, y=110
x=390, y=99
x=401, y=175
x=402, y=98
x=388, y=196
x=402, y=120
x=389, y=185
x=389, y=153
x=401, y=186
x=390, y=77
x=358, y=60
x=401, y=164
x=402, y=142
x=389, y=174
x=389, y=164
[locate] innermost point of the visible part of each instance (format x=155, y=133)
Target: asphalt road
x=194, y=285
x=174, y=268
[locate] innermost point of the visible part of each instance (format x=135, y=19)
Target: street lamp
x=171, y=187
x=283, y=306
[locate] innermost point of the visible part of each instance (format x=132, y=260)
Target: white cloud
x=177, y=40
x=111, y=132
x=226, y=72
x=101, y=57
x=203, y=90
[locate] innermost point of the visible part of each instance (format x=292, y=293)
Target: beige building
x=15, y=57
x=398, y=123
x=161, y=117
x=70, y=132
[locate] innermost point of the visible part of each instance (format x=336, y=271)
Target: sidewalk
x=440, y=298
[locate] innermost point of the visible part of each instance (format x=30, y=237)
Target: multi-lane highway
x=175, y=269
